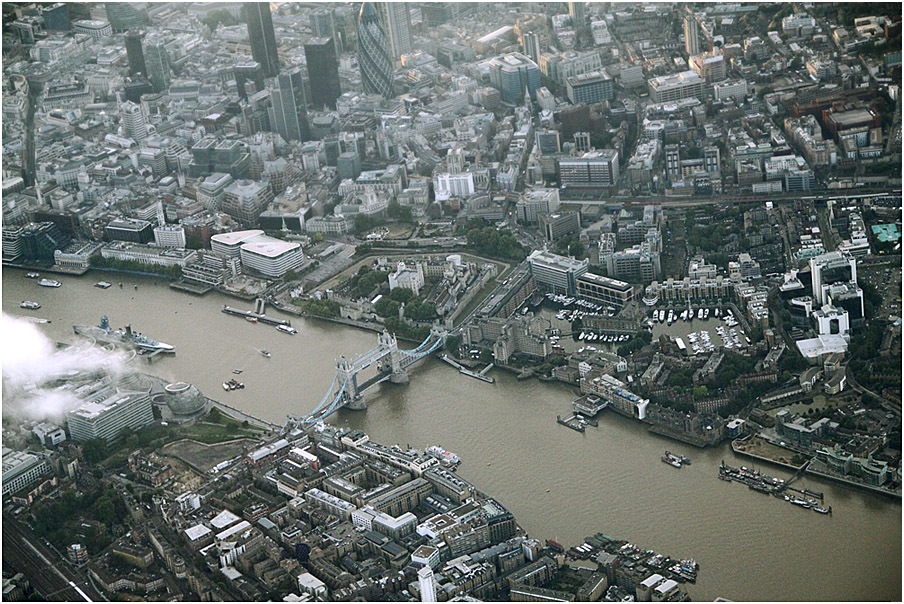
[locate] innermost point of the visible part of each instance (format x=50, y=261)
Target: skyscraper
x=512, y=74
x=530, y=42
x=323, y=24
x=691, y=36
x=135, y=53
x=263, y=39
x=323, y=70
x=576, y=11
x=133, y=122
x=374, y=53
x=157, y=62
x=288, y=116
x=397, y=21
x=126, y=15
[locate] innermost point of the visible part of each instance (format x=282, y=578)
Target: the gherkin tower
x=374, y=56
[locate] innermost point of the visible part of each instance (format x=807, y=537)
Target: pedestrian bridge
x=391, y=363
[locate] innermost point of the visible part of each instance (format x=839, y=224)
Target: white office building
x=273, y=258
x=447, y=185
x=21, y=469
x=107, y=418
x=556, y=273
x=230, y=244
x=677, y=86
x=169, y=236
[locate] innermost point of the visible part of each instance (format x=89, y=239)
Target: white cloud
x=31, y=364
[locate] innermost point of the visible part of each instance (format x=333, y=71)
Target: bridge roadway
x=49, y=574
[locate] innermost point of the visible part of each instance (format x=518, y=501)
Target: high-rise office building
x=374, y=53
x=263, y=39
x=124, y=16
x=512, y=74
x=288, y=116
x=56, y=17
x=576, y=11
x=135, y=53
x=397, y=23
x=108, y=417
x=530, y=43
x=691, y=36
x=246, y=73
x=156, y=60
x=323, y=71
x=133, y=122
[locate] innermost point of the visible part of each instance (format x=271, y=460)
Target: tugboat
x=266, y=353
x=29, y=305
x=49, y=283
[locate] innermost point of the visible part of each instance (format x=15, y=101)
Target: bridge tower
x=349, y=378
x=388, y=342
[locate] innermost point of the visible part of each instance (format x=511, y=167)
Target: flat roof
x=886, y=232
x=270, y=249
x=224, y=519
x=236, y=237
x=606, y=281
x=197, y=532
x=241, y=526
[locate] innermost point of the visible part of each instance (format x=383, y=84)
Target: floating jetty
x=768, y=485
x=482, y=375
x=247, y=314
x=576, y=421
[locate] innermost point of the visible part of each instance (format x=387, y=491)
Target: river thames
x=560, y=484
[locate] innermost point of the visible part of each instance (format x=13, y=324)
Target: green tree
x=399, y=212
x=453, y=343
x=95, y=450
x=576, y=249
x=700, y=392
x=401, y=294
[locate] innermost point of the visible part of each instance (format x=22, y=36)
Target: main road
x=48, y=573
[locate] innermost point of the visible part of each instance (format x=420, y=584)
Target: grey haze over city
x=451, y=301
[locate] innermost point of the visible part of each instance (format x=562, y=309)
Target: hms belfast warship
x=121, y=337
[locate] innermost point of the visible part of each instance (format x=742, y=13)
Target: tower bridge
x=391, y=363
